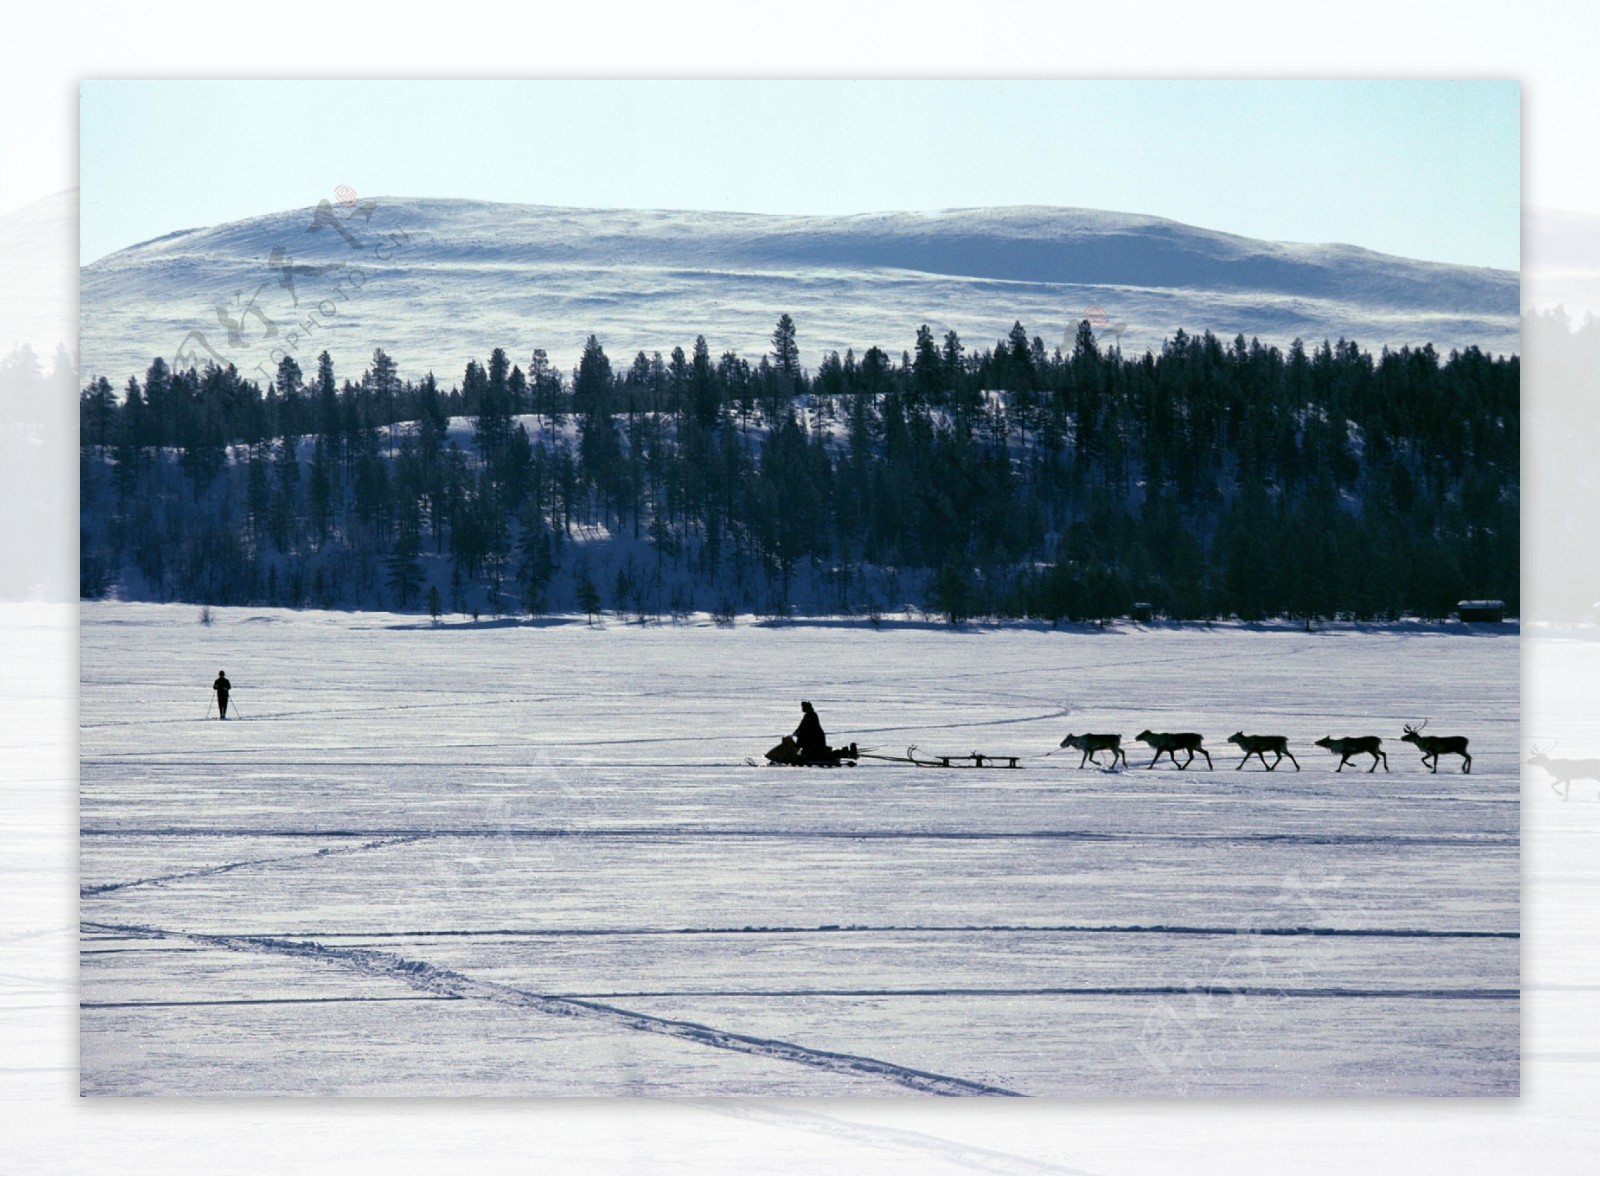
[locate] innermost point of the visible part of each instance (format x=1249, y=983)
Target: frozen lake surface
x=529, y=859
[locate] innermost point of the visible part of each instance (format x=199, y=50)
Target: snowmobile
x=788, y=752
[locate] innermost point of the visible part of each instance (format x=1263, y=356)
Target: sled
x=932, y=760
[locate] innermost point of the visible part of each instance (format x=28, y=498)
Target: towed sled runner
x=931, y=760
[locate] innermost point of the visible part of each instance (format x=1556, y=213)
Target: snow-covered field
x=529, y=859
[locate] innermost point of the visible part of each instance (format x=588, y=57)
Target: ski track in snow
x=91, y=892
x=1072, y=991
x=447, y=983
x=249, y=1001
x=716, y=833
x=826, y=929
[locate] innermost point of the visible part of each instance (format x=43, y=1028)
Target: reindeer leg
x=1293, y=761
x=1467, y=767
x=1209, y=765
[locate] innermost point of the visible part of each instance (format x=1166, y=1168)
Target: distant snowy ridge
x=38, y=247
x=1561, y=261
x=436, y=282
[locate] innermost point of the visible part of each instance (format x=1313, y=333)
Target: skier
x=222, y=686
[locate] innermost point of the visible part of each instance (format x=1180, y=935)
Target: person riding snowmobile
x=810, y=736
x=809, y=744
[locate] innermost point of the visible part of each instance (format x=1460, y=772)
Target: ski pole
x=210, y=703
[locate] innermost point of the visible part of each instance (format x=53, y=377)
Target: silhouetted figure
x=809, y=735
x=809, y=744
x=222, y=686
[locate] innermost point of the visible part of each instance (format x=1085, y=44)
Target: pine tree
x=383, y=383
x=544, y=383
x=785, y=351
x=927, y=369
x=405, y=568
x=292, y=416
x=493, y=425
x=319, y=492
x=703, y=385
x=588, y=597
x=517, y=392
x=591, y=381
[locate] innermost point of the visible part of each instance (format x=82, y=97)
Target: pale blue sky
x=1426, y=169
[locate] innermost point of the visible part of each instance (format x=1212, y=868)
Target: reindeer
x=1348, y=746
x=1090, y=744
x=1565, y=771
x=1432, y=746
x=1257, y=745
x=1167, y=741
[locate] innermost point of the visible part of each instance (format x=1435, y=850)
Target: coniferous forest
x=1211, y=480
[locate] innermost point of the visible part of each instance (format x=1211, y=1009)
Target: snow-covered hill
x=38, y=244
x=436, y=282
x=1561, y=257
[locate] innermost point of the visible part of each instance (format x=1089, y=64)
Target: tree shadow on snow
x=456, y=626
